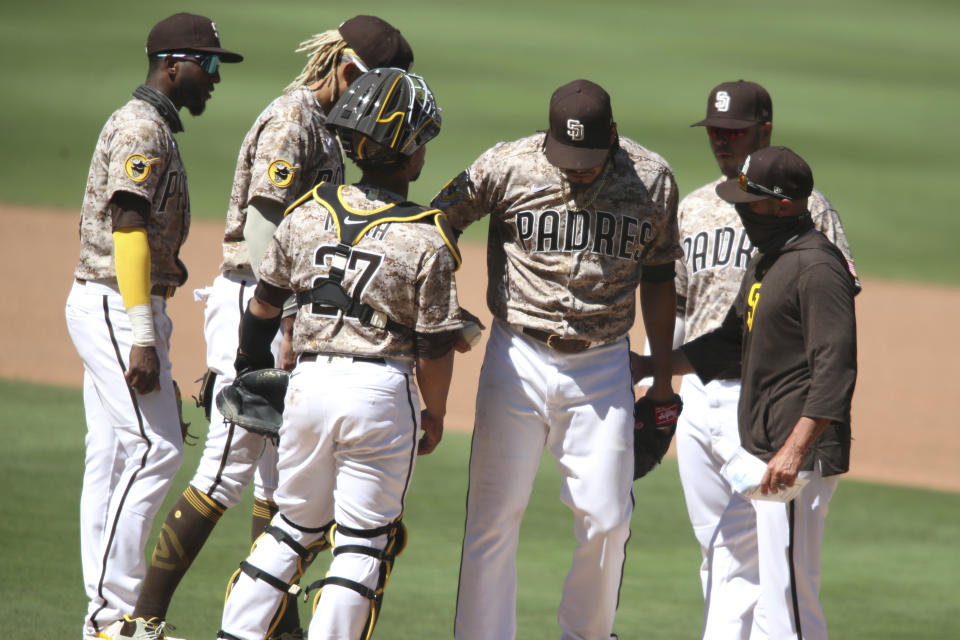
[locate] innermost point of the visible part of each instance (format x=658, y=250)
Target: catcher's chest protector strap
x=351, y=226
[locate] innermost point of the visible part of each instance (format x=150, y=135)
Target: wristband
x=141, y=321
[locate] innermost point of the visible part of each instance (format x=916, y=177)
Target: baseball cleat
x=110, y=632
x=152, y=629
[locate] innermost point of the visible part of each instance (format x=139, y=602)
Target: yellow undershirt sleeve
x=132, y=257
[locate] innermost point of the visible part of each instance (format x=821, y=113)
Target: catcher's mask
x=385, y=116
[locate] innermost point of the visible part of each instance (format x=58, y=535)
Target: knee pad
x=278, y=561
x=396, y=542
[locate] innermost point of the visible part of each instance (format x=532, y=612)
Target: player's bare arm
x=642, y=366
x=783, y=468
x=434, y=373
x=657, y=304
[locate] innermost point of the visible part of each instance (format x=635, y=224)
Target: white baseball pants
x=789, y=539
x=133, y=449
x=580, y=407
x=707, y=435
x=232, y=456
x=347, y=451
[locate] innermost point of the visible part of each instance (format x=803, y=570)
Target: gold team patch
x=137, y=166
x=281, y=173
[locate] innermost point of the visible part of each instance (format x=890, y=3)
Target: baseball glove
x=654, y=426
x=255, y=401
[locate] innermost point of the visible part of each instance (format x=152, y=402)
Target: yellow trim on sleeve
x=132, y=258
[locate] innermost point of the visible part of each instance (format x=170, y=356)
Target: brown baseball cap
x=771, y=172
x=188, y=32
x=580, y=122
x=377, y=42
x=737, y=105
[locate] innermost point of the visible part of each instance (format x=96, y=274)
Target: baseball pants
x=580, y=407
x=232, y=456
x=347, y=450
x=133, y=448
x=707, y=436
x=789, y=539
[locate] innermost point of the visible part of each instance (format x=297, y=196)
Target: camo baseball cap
x=737, y=105
x=580, y=123
x=188, y=32
x=377, y=42
x=771, y=172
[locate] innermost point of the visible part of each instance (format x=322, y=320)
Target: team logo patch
x=137, y=166
x=281, y=173
x=722, y=102
x=752, y=300
x=575, y=129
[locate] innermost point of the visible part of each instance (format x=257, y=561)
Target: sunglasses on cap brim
x=746, y=184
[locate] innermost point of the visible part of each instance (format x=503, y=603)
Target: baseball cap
x=737, y=105
x=771, y=172
x=580, y=121
x=188, y=32
x=377, y=42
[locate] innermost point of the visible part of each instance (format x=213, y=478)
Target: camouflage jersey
x=564, y=265
x=716, y=250
x=136, y=153
x=404, y=269
x=287, y=151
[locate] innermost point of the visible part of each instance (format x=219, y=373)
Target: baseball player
x=716, y=252
x=579, y=219
x=374, y=285
x=135, y=218
x=791, y=331
x=286, y=152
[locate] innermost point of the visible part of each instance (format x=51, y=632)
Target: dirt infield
x=904, y=430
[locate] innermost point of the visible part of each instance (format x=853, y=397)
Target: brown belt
x=162, y=290
x=557, y=343
x=313, y=357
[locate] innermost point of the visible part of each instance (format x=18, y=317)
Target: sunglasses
x=757, y=189
x=727, y=134
x=210, y=63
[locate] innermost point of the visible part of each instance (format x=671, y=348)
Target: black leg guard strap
x=366, y=592
x=228, y=636
x=273, y=581
x=282, y=536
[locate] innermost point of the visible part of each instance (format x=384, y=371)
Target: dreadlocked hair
x=323, y=55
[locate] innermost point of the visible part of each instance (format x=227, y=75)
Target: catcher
x=374, y=281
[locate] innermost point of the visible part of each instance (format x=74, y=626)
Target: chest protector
x=351, y=226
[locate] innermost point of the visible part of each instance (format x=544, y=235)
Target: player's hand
x=143, y=374
x=432, y=433
x=470, y=334
x=288, y=359
x=782, y=470
x=640, y=367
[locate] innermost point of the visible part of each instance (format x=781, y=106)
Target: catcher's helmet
x=389, y=107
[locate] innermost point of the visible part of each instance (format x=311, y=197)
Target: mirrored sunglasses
x=746, y=184
x=727, y=134
x=210, y=63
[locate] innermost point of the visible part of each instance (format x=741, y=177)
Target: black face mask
x=769, y=233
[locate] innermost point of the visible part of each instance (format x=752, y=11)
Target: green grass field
x=865, y=90
x=890, y=562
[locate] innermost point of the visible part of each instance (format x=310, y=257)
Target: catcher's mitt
x=654, y=426
x=255, y=401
